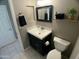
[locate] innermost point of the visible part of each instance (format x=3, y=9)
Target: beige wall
x=21, y=6
x=63, y=28
x=68, y=31
x=75, y=53
x=60, y=6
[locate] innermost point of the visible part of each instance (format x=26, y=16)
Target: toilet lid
x=54, y=54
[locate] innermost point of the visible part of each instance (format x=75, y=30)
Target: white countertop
x=39, y=33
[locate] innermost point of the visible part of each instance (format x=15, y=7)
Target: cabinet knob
x=47, y=43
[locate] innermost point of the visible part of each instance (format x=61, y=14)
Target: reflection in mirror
x=44, y=13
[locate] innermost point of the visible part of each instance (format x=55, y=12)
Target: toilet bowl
x=60, y=46
x=54, y=54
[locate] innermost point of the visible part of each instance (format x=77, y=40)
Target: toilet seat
x=54, y=54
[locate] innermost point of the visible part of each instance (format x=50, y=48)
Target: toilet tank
x=61, y=44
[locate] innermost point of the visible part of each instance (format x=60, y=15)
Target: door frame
x=15, y=23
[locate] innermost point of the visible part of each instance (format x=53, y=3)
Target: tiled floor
x=29, y=53
x=9, y=51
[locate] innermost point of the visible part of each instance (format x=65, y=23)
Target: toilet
x=60, y=46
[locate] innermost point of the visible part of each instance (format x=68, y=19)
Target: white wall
x=75, y=52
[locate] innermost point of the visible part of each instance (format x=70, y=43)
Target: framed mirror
x=44, y=13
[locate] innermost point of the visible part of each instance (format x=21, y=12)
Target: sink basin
x=39, y=32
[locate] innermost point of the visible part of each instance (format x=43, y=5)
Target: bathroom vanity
x=41, y=40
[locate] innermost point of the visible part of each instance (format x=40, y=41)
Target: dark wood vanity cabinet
x=39, y=45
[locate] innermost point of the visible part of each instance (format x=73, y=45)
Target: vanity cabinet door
x=47, y=48
x=35, y=42
x=39, y=45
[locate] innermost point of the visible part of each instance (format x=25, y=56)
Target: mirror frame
x=50, y=13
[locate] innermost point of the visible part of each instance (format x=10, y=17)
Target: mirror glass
x=44, y=13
